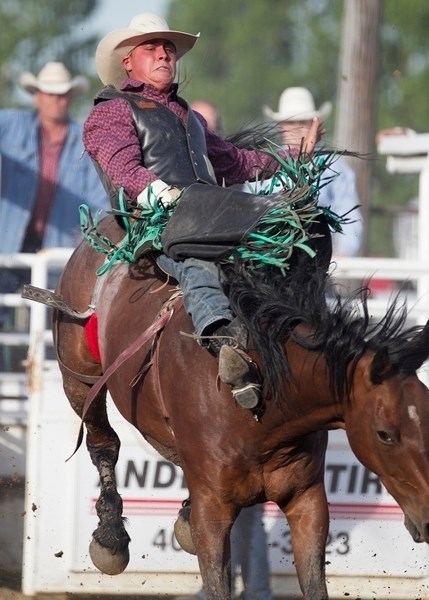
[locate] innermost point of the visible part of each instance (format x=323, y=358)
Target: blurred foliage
x=250, y=51
x=404, y=71
x=404, y=74
x=33, y=33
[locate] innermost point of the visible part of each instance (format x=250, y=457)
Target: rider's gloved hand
x=158, y=190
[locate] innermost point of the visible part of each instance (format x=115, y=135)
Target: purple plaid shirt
x=110, y=138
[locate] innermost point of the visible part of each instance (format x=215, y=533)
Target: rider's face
x=153, y=62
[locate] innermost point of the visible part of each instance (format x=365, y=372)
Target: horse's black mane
x=268, y=136
x=273, y=306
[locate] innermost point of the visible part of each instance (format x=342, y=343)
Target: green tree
x=404, y=77
x=250, y=51
x=405, y=65
x=34, y=33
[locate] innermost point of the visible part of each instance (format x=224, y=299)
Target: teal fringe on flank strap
x=143, y=227
x=271, y=242
x=286, y=227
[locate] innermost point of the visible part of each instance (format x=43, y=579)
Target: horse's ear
x=414, y=353
x=423, y=336
x=381, y=366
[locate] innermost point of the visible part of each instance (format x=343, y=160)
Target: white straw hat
x=297, y=104
x=142, y=28
x=54, y=78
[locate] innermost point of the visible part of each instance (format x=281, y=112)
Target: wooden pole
x=357, y=90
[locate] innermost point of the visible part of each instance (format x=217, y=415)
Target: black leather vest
x=177, y=155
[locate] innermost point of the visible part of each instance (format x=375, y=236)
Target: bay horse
x=325, y=367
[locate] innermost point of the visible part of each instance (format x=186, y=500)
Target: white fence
x=59, y=497
x=30, y=320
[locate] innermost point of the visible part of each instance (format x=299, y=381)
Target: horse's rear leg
x=109, y=545
x=211, y=524
x=308, y=519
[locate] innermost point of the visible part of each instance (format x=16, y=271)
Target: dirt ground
x=10, y=586
x=10, y=589
x=9, y=593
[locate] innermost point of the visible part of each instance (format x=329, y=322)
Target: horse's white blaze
x=413, y=414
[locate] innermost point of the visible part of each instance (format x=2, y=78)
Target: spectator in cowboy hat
x=296, y=110
x=297, y=104
x=44, y=173
x=54, y=78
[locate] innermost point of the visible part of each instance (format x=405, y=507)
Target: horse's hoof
x=106, y=561
x=182, y=531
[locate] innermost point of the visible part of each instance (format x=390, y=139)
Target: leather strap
x=157, y=326
x=31, y=292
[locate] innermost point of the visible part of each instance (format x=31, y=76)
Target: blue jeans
x=249, y=550
x=203, y=297
x=249, y=554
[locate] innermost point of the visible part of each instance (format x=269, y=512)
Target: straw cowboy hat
x=297, y=104
x=54, y=78
x=142, y=28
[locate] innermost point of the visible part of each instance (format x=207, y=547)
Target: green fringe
x=287, y=227
x=143, y=227
x=273, y=240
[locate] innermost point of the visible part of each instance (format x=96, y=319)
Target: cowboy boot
x=236, y=368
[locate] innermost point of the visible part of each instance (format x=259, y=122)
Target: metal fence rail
x=31, y=320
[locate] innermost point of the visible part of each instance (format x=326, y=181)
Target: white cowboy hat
x=54, y=78
x=297, y=104
x=142, y=28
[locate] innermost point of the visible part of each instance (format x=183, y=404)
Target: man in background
x=44, y=177
x=45, y=174
x=210, y=112
x=296, y=110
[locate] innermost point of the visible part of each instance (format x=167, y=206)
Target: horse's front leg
x=109, y=546
x=211, y=523
x=308, y=518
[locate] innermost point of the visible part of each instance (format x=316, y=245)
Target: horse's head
x=387, y=423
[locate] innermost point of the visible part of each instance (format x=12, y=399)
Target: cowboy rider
x=137, y=136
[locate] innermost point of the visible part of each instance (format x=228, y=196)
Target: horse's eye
x=384, y=437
